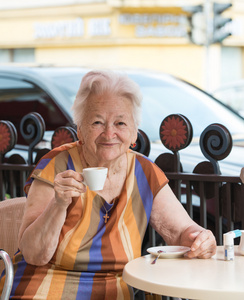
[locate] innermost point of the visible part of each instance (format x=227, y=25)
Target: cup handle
x=83, y=179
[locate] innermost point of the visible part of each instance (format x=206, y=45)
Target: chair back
x=11, y=214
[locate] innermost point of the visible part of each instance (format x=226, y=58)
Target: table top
x=204, y=279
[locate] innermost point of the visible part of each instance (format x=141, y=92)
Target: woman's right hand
x=67, y=185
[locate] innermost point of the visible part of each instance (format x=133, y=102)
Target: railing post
x=218, y=218
x=177, y=190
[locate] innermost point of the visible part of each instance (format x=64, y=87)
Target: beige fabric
x=11, y=213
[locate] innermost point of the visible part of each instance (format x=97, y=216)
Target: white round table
x=206, y=279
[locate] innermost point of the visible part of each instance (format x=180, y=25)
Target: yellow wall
x=183, y=61
x=119, y=49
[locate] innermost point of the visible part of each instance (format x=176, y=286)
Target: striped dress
x=91, y=254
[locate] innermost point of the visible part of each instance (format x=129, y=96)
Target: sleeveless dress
x=91, y=254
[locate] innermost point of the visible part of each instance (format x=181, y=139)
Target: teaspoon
x=159, y=253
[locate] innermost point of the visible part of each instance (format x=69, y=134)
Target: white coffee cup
x=95, y=178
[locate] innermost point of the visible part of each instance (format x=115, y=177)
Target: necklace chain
x=106, y=217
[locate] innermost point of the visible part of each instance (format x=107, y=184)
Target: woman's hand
x=203, y=244
x=67, y=185
x=171, y=221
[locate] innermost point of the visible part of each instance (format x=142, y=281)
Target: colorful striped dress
x=91, y=254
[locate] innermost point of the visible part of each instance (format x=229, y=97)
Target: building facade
x=145, y=34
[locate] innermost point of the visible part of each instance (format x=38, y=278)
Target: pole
x=208, y=13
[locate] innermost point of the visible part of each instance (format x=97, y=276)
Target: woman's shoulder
x=55, y=161
x=59, y=156
x=141, y=158
x=63, y=149
x=144, y=163
x=147, y=172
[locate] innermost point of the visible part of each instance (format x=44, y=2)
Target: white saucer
x=169, y=251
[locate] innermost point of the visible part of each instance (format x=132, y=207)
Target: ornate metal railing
x=15, y=167
x=218, y=200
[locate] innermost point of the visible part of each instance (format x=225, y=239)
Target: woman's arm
x=171, y=221
x=45, y=214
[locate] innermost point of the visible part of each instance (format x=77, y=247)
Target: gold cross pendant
x=106, y=217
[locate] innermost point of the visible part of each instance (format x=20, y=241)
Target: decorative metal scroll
x=32, y=128
x=216, y=144
x=8, y=137
x=176, y=134
x=63, y=135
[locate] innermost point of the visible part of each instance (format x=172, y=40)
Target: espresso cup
x=95, y=178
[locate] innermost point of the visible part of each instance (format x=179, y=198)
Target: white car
x=50, y=91
x=232, y=94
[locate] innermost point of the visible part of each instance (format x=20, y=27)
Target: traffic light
x=220, y=29
x=208, y=26
x=198, y=26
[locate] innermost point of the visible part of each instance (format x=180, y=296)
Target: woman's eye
x=97, y=123
x=121, y=123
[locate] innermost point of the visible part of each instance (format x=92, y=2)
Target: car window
x=162, y=98
x=233, y=97
x=69, y=86
x=18, y=98
x=66, y=80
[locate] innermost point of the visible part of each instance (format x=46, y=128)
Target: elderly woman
x=67, y=249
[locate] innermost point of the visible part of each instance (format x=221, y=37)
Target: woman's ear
x=134, y=139
x=79, y=135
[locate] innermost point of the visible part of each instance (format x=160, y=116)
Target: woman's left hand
x=172, y=222
x=203, y=244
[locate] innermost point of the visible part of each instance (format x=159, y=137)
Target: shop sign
x=156, y=25
x=99, y=27
x=72, y=28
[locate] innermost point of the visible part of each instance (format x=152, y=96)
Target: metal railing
x=228, y=209
x=213, y=200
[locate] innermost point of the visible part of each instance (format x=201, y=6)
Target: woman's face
x=108, y=128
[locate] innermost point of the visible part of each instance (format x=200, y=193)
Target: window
x=18, y=98
x=24, y=55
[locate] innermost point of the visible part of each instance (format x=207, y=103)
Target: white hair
x=101, y=82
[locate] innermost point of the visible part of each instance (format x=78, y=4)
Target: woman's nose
x=109, y=131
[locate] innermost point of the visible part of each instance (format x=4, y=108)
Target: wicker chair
x=11, y=213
